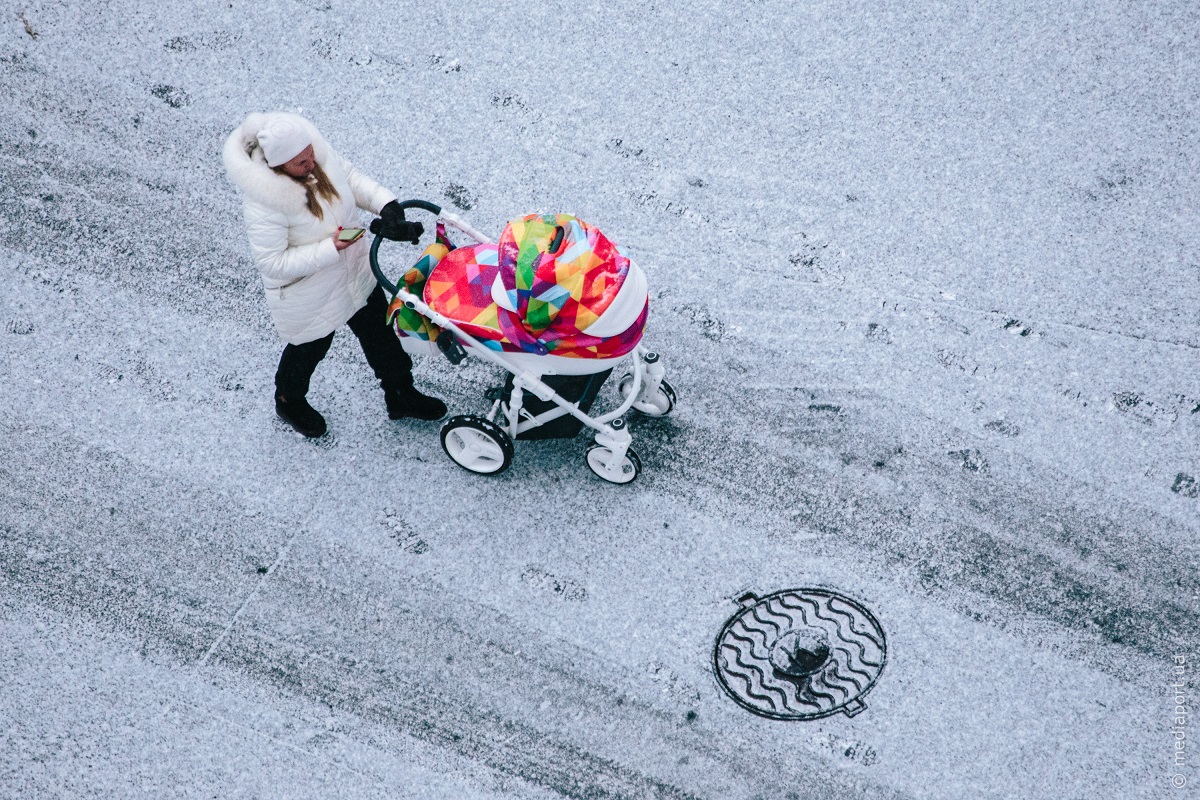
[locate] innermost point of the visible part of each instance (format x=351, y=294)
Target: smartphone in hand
x=350, y=234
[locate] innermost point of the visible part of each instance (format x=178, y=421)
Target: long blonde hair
x=315, y=184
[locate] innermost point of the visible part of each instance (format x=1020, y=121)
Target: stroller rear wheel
x=600, y=461
x=477, y=444
x=657, y=405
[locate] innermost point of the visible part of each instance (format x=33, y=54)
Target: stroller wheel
x=477, y=445
x=659, y=405
x=600, y=461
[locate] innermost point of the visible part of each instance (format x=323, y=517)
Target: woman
x=298, y=195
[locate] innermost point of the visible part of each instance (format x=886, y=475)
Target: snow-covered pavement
x=925, y=279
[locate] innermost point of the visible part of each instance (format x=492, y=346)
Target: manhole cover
x=800, y=654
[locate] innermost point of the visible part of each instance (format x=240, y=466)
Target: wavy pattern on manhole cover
x=800, y=654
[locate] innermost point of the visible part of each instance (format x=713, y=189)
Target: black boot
x=300, y=415
x=408, y=402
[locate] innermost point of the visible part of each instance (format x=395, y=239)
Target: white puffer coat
x=312, y=288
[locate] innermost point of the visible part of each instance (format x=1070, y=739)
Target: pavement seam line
x=283, y=551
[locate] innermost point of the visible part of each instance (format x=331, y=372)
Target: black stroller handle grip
x=424, y=205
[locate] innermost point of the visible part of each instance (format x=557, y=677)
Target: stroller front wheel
x=477, y=445
x=600, y=460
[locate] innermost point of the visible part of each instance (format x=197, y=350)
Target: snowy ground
x=925, y=277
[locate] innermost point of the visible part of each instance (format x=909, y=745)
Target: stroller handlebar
x=424, y=205
x=451, y=219
x=388, y=286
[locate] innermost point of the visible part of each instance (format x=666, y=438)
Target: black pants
x=392, y=365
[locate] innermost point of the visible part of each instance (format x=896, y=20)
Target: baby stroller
x=557, y=306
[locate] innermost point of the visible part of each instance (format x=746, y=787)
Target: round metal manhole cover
x=800, y=654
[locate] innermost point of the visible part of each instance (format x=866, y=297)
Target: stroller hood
x=558, y=274
x=552, y=285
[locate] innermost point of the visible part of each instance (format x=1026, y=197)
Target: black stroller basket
x=580, y=389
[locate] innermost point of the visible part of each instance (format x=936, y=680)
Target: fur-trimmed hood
x=311, y=286
x=247, y=167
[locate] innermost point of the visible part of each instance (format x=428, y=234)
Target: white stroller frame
x=481, y=445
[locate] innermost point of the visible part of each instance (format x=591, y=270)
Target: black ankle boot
x=300, y=415
x=408, y=402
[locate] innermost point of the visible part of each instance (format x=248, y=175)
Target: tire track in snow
x=1029, y=549
x=469, y=681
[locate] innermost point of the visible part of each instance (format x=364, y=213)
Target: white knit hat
x=281, y=141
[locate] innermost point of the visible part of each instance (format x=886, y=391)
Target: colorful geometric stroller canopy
x=559, y=275
x=538, y=290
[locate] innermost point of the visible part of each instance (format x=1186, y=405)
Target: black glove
x=392, y=225
x=392, y=211
x=399, y=230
